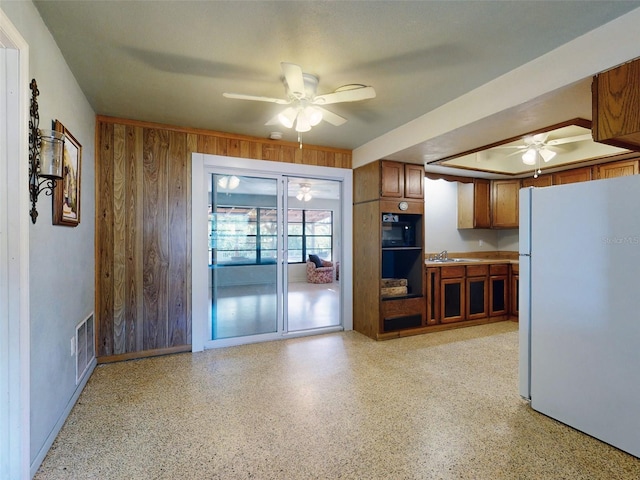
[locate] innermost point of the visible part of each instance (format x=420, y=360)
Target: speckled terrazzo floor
x=437, y=406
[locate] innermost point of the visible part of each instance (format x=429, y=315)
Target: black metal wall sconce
x=46, y=149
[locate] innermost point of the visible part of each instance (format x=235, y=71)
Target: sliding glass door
x=244, y=245
x=273, y=244
x=313, y=231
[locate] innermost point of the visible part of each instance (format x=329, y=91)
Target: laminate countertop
x=469, y=261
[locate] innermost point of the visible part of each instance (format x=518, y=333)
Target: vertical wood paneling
x=133, y=251
x=192, y=146
x=289, y=154
x=155, y=233
x=309, y=157
x=177, y=205
x=233, y=147
x=104, y=211
x=271, y=152
x=143, y=228
x=207, y=144
x=119, y=188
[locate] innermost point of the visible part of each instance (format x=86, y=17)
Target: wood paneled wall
x=143, y=227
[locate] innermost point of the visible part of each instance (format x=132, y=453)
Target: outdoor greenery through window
x=248, y=235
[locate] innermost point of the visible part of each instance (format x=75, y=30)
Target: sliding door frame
x=201, y=164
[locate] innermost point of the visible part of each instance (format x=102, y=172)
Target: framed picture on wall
x=66, y=197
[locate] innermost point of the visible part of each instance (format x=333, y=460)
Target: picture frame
x=66, y=197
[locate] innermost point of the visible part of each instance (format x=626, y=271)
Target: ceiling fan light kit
x=304, y=194
x=304, y=111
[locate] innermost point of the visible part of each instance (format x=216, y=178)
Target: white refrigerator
x=580, y=306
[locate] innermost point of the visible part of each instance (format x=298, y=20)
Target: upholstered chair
x=323, y=274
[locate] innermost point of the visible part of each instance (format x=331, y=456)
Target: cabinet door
x=617, y=169
x=515, y=298
x=413, y=181
x=504, y=203
x=477, y=298
x=481, y=203
x=540, y=181
x=616, y=105
x=392, y=179
x=498, y=293
x=452, y=299
x=433, y=295
x=572, y=176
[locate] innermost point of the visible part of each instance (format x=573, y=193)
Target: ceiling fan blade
x=350, y=93
x=241, y=96
x=293, y=76
x=577, y=138
x=330, y=117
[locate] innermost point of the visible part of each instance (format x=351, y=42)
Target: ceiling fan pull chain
x=300, y=140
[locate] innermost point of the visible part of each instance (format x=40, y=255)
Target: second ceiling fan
x=305, y=107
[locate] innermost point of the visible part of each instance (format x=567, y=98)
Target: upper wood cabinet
x=401, y=180
x=504, y=203
x=616, y=106
x=572, y=176
x=617, y=169
x=474, y=204
x=540, y=181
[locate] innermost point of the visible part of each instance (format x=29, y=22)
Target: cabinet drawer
x=501, y=269
x=452, y=271
x=477, y=270
x=405, y=306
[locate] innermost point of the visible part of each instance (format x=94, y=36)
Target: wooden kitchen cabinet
x=378, y=312
x=452, y=293
x=477, y=304
x=545, y=180
x=432, y=283
x=504, y=203
x=572, y=176
x=616, y=106
x=498, y=290
x=401, y=180
x=621, y=168
x=514, y=291
x=474, y=204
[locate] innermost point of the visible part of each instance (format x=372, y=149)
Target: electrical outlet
x=480, y=242
x=73, y=346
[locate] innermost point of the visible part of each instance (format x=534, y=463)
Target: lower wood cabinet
x=452, y=293
x=452, y=296
x=477, y=292
x=459, y=293
x=499, y=289
x=514, y=301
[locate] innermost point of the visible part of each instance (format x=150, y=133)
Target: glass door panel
x=243, y=255
x=312, y=298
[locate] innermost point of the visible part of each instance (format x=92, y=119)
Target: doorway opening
x=275, y=243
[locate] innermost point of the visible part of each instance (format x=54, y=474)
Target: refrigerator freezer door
x=584, y=308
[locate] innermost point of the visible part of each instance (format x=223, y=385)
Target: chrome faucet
x=443, y=255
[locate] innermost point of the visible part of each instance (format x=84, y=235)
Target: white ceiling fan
x=305, y=108
x=539, y=146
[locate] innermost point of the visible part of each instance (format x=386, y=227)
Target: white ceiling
x=170, y=61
